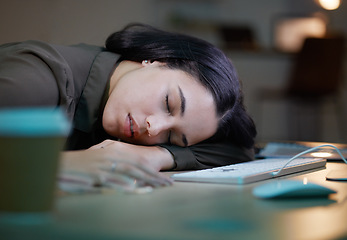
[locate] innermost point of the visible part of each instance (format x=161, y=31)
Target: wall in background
x=71, y=21
x=91, y=21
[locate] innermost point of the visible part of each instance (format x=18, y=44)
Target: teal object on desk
x=31, y=140
x=41, y=121
x=291, y=189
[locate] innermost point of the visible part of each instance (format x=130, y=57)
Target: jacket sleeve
x=33, y=73
x=208, y=154
x=25, y=78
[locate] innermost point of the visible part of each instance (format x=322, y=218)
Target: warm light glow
x=330, y=4
x=290, y=33
x=321, y=154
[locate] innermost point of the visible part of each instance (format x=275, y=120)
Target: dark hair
x=138, y=42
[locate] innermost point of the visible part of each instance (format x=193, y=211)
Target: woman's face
x=152, y=104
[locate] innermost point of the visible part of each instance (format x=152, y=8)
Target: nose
x=157, y=124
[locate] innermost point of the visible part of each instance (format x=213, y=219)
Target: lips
x=130, y=127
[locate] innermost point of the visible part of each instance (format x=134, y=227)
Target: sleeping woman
x=150, y=100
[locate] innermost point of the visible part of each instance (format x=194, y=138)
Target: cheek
x=137, y=98
x=202, y=123
x=111, y=119
x=108, y=123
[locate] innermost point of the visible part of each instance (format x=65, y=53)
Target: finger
x=156, y=174
x=148, y=177
x=152, y=172
x=117, y=181
x=125, y=183
x=122, y=176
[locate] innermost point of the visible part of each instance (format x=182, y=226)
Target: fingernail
x=165, y=182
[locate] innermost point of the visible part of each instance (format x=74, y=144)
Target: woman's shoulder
x=41, y=46
x=33, y=45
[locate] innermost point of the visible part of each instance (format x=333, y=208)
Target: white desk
x=195, y=211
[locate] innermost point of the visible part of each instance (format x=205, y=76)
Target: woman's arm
x=154, y=157
x=208, y=154
x=144, y=162
x=136, y=162
x=170, y=157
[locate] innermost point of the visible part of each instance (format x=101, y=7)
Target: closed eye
x=167, y=104
x=169, y=111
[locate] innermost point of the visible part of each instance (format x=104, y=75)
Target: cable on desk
x=308, y=151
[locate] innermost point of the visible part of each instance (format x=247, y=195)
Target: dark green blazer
x=75, y=78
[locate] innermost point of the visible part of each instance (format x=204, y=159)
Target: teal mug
x=31, y=140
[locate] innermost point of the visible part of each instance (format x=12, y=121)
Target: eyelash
x=169, y=111
x=167, y=104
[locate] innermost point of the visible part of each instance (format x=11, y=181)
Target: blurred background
x=264, y=39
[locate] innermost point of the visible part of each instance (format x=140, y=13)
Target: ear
x=151, y=63
x=146, y=62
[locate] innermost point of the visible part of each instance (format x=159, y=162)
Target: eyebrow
x=183, y=101
x=183, y=108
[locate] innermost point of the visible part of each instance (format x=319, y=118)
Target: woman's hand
x=120, y=163
x=154, y=157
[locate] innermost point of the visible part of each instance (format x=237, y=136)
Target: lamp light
x=329, y=4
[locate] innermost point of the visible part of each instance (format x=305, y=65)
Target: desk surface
x=196, y=211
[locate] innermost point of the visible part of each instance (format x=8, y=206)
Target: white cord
x=307, y=151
